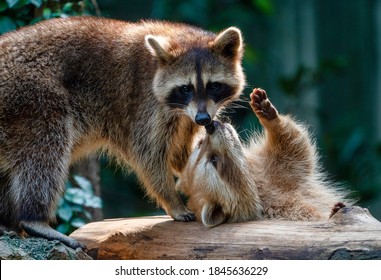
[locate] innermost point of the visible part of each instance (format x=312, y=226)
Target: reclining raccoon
x=276, y=176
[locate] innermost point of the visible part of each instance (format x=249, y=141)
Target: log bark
x=352, y=233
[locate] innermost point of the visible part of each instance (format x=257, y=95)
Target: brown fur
x=276, y=176
x=69, y=87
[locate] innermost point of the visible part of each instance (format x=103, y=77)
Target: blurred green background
x=319, y=60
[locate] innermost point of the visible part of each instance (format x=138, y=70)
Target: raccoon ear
x=212, y=215
x=229, y=43
x=158, y=46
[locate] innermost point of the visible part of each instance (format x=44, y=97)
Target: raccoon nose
x=203, y=118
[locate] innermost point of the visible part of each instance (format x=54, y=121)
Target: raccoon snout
x=211, y=127
x=203, y=118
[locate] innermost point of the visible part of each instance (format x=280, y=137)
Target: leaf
x=265, y=6
x=3, y=6
x=67, y=7
x=65, y=212
x=15, y=4
x=76, y=196
x=12, y=3
x=77, y=208
x=46, y=13
x=94, y=202
x=77, y=222
x=36, y=3
x=6, y=24
x=35, y=20
x=87, y=214
x=64, y=228
x=84, y=183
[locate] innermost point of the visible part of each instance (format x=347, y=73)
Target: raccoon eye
x=214, y=159
x=185, y=89
x=216, y=86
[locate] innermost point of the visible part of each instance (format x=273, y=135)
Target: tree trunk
x=352, y=233
x=90, y=169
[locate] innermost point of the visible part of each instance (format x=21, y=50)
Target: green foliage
x=212, y=14
x=18, y=13
x=352, y=158
x=349, y=154
x=73, y=207
x=306, y=78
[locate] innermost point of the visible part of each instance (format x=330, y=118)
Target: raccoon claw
x=188, y=217
x=336, y=208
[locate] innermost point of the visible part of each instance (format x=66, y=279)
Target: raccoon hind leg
x=6, y=205
x=35, y=189
x=37, y=150
x=42, y=229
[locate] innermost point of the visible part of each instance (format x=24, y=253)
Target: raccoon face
x=219, y=160
x=216, y=177
x=200, y=75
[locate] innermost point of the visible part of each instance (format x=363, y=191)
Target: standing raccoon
x=140, y=92
x=276, y=176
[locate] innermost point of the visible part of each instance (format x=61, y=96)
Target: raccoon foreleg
x=42, y=229
x=284, y=137
x=287, y=152
x=262, y=107
x=160, y=185
x=171, y=202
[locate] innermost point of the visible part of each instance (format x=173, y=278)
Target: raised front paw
x=261, y=105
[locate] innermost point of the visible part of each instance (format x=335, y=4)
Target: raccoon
x=139, y=92
x=276, y=176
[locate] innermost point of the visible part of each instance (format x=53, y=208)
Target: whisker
x=237, y=106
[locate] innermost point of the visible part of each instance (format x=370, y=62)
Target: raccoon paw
x=41, y=229
x=261, y=105
x=187, y=217
x=336, y=208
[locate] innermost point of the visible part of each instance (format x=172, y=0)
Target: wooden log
x=352, y=233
